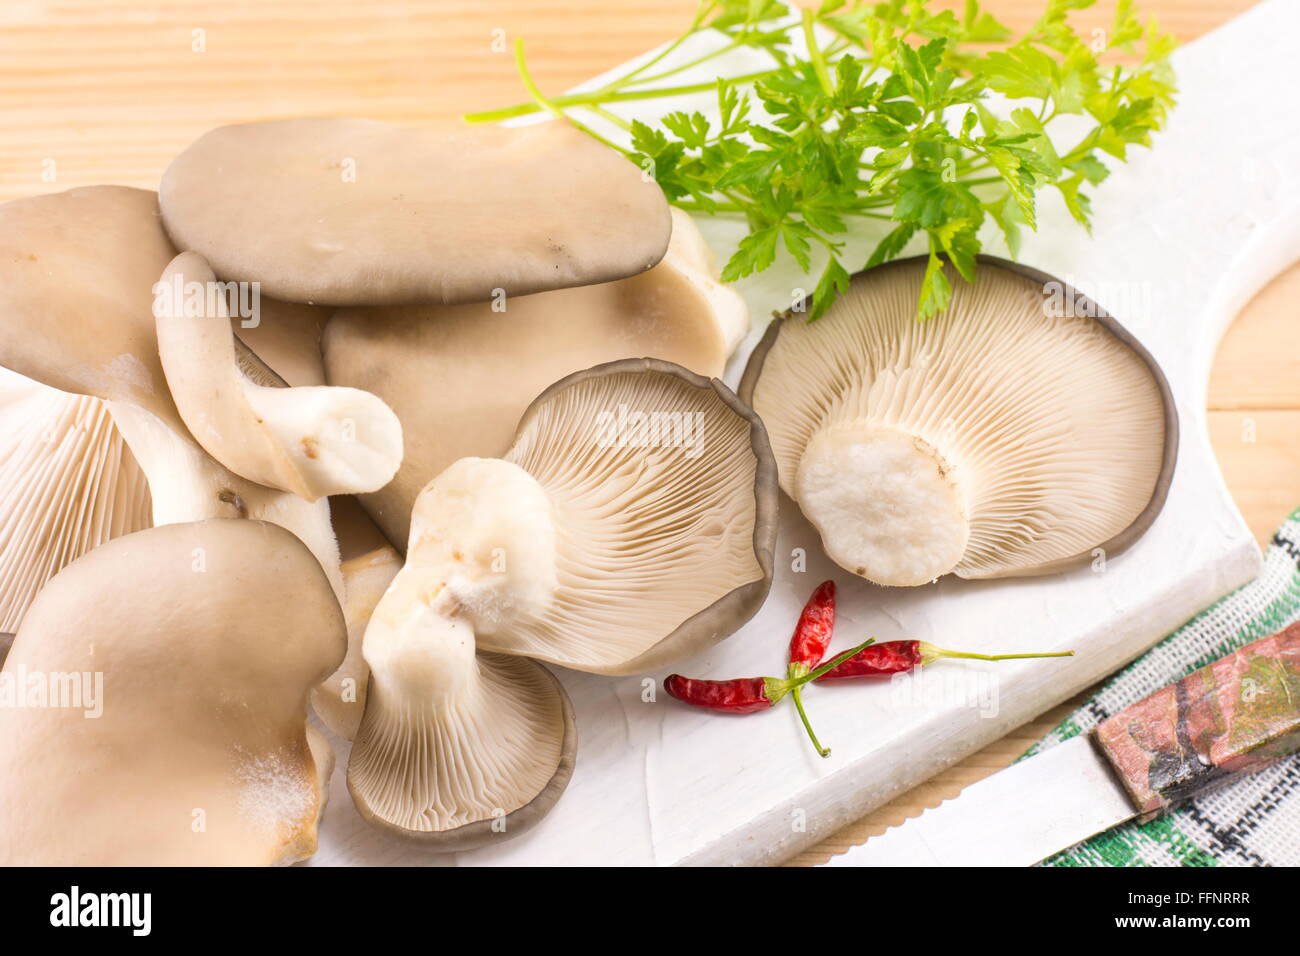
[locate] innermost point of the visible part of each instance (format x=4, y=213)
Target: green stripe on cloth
x=1253, y=821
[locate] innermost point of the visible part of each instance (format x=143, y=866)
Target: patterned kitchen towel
x=1254, y=821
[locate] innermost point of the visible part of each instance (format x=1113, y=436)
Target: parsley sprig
x=873, y=116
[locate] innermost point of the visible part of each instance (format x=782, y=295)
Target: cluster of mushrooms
x=476, y=428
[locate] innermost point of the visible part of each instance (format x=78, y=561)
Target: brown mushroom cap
x=200, y=753
x=286, y=339
x=459, y=377
x=1012, y=435
x=77, y=270
x=358, y=212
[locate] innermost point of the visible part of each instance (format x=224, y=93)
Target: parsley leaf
x=870, y=119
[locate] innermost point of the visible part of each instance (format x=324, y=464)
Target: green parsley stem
x=610, y=117
x=815, y=54
x=705, y=8
x=585, y=99
x=521, y=64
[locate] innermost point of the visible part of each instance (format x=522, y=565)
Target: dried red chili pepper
x=746, y=695
x=899, y=657
x=812, y=635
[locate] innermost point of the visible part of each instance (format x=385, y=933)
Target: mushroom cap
x=459, y=377
x=358, y=212
x=77, y=269
x=76, y=299
x=312, y=440
x=666, y=529
x=68, y=483
x=460, y=776
x=1007, y=436
x=210, y=728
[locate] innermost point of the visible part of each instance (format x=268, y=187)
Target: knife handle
x=1232, y=716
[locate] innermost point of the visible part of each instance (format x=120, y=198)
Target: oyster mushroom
x=200, y=755
x=77, y=270
x=632, y=523
x=457, y=748
x=459, y=377
x=358, y=212
x=68, y=483
x=1004, y=437
x=312, y=440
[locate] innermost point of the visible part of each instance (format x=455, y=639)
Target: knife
x=1232, y=716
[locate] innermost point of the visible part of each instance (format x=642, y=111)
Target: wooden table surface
x=105, y=91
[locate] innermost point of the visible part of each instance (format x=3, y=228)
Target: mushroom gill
x=68, y=483
x=662, y=488
x=1006, y=436
x=457, y=768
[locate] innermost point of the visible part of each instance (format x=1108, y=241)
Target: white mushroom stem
x=311, y=440
x=887, y=503
x=188, y=485
x=481, y=554
x=448, y=737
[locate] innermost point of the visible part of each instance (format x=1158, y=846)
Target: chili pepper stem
x=797, y=694
x=798, y=675
x=930, y=653
x=775, y=687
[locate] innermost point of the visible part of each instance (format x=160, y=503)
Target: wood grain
x=96, y=91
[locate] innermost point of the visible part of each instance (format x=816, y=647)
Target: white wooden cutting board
x=1184, y=235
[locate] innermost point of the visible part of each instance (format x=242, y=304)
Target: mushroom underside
x=1006, y=436
x=457, y=775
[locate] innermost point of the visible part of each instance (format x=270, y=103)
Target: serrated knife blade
x=1231, y=717
x=1015, y=817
